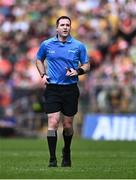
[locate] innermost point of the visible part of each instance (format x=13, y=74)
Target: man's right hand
x=45, y=79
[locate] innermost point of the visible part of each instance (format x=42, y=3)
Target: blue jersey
x=60, y=56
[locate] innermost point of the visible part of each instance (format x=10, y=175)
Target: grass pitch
x=28, y=159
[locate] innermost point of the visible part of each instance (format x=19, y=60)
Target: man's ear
x=57, y=29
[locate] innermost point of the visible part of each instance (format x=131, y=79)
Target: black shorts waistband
x=62, y=85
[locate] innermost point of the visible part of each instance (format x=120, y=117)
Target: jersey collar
x=69, y=39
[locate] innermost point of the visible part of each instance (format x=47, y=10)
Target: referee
x=66, y=59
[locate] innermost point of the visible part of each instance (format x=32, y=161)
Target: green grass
x=28, y=159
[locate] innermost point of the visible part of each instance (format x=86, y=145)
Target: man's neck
x=62, y=39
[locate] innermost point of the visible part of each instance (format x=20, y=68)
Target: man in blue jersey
x=66, y=59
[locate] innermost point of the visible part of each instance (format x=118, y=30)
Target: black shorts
x=62, y=98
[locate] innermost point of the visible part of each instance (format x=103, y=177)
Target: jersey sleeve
x=41, y=54
x=83, y=54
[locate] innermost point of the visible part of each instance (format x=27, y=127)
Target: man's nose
x=65, y=26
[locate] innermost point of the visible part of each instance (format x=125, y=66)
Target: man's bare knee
x=53, y=121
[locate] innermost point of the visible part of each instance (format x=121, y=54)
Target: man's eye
x=64, y=25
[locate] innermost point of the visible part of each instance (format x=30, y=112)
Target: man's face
x=63, y=28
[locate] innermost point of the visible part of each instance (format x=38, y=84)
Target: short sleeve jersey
x=60, y=56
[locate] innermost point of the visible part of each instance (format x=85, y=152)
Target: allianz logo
x=119, y=128
x=51, y=51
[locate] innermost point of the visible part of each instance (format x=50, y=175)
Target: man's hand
x=45, y=79
x=71, y=72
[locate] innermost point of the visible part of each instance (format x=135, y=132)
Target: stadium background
x=107, y=27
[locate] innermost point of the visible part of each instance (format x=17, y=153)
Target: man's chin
x=64, y=35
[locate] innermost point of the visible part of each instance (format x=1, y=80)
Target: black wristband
x=80, y=71
x=42, y=75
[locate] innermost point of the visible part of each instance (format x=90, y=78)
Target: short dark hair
x=62, y=17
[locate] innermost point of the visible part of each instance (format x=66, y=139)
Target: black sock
x=52, y=141
x=67, y=136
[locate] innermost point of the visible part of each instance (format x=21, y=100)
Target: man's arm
x=85, y=67
x=81, y=70
x=41, y=68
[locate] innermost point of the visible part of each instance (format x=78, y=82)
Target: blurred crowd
x=107, y=27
